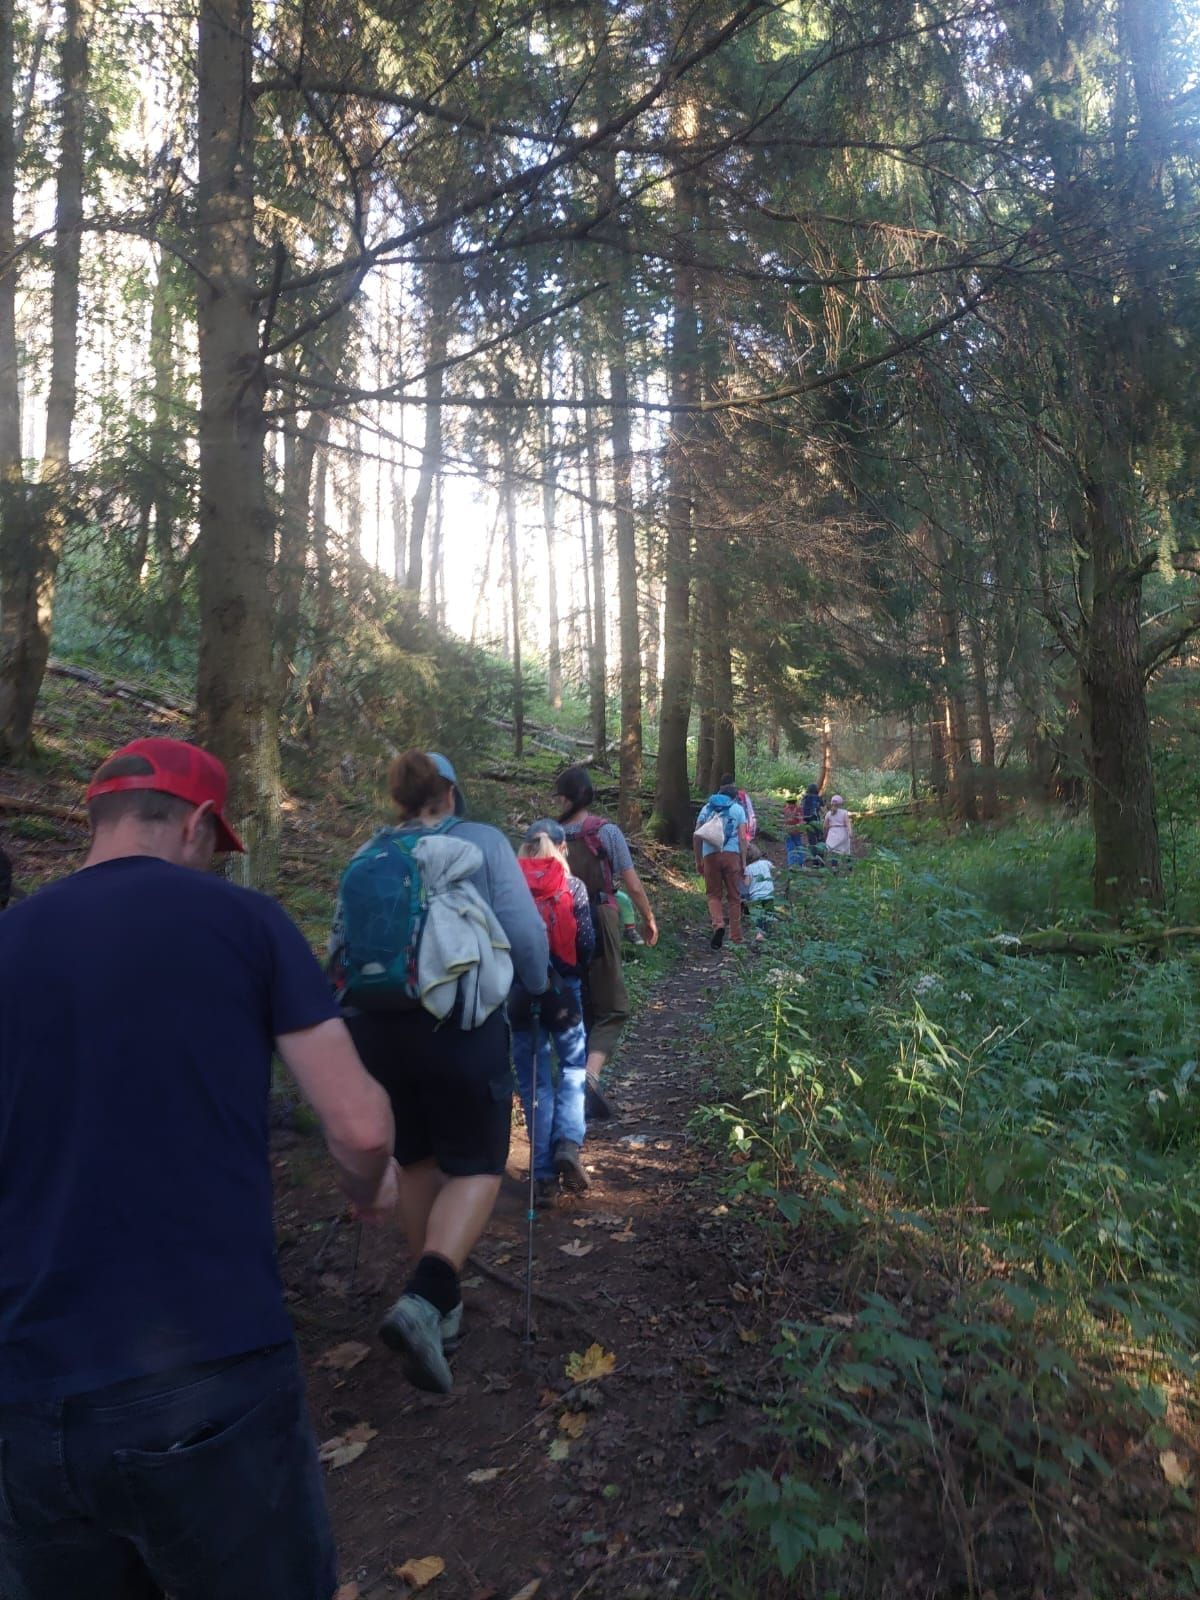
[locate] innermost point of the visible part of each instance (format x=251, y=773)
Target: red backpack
x=547, y=880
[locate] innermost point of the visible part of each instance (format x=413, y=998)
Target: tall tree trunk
x=514, y=582
x=437, y=562
x=323, y=632
x=983, y=717
x=399, y=525
x=236, y=704
x=1128, y=864
x=703, y=687
x=630, y=787
x=598, y=677
x=439, y=299
x=826, y=755
x=724, y=757
x=29, y=564
x=960, y=766
x=672, y=803
x=14, y=579
x=299, y=453
x=554, y=673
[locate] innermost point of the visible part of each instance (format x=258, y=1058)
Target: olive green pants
x=607, y=996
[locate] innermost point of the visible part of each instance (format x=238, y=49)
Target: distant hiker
x=811, y=807
x=598, y=853
x=839, y=832
x=793, y=823
x=720, y=846
x=747, y=805
x=5, y=880
x=758, y=888
x=559, y=1127
x=428, y=913
x=156, y=1438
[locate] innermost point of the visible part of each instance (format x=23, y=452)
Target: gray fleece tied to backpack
x=463, y=951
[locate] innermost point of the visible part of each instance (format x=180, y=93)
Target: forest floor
x=532, y=1472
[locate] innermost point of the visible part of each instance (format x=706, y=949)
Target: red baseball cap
x=179, y=769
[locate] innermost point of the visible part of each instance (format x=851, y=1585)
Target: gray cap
x=553, y=830
x=447, y=771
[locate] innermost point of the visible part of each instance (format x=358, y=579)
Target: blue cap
x=447, y=771
x=554, y=831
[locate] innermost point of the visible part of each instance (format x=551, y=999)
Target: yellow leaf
x=559, y=1450
x=1174, y=1470
x=572, y=1423
x=342, y=1455
x=595, y=1362
x=345, y=1356
x=483, y=1475
x=747, y=1336
x=420, y=1571
x=576, y=1248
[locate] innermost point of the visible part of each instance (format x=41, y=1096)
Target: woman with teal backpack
x=720, y=845
x=434, y=916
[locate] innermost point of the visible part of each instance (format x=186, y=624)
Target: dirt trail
x=605, y=1489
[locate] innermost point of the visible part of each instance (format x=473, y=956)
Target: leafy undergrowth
x=1000, y=1155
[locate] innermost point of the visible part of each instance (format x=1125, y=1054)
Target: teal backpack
x=384, y=906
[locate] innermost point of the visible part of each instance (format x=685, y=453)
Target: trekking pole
x=534, y=1017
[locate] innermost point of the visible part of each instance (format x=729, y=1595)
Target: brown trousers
x=723, y=875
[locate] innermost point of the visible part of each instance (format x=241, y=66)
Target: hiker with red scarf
x=558, y=1127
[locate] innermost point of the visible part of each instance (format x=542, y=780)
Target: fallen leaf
x=530, y=1589
x=675, y=1510
x=1173, y=1469
x=559, y=1450
x=346, y=1447
x=502, y=1261
x=572, y=1423
x=577, y=1247
x=595, y=1362
x=420, y=1571
x=548, y=1397
x=470, y=1283
x=483, y=1475
x=747, y=1336
x=627, y=1237
x=838, y=1319
x=343, y=1357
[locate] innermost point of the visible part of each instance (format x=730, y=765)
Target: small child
x=758, y=889
x=629, y=927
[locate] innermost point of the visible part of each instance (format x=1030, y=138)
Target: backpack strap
x=589, y=832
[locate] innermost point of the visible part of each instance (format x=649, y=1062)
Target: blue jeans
x=794, y=843
x=202, y=1483
x=560, y=1107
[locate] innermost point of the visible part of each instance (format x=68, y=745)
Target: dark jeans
x=202, y=1483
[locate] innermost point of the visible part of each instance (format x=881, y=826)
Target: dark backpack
x=384, y=907
x=589, y=861
x=810, y=808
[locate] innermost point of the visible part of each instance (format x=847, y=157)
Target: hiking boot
x=718, y=938
x=570, y=1166
x=597, y=1107
x=632, y=936
x=452, y=1329
x=545, y=1193
x=412, y=1328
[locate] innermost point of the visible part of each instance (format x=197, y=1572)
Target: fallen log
x=116, y=689
x=25, y=806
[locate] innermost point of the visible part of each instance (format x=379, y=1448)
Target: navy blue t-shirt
x=139, y=1002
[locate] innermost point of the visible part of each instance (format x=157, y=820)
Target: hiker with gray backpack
x=433, y=918
x=720, y=845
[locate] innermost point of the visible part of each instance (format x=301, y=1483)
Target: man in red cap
x=152, y=1417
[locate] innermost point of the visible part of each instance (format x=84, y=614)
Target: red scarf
x=547, y=880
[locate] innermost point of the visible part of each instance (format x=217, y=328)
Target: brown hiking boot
x=569, y=1166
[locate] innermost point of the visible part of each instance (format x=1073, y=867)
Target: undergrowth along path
x=544, y=1464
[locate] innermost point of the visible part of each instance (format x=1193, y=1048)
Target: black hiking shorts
x=451, y=1088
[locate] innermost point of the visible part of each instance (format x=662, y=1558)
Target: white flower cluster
x=926, y=983
x=781, y=976
x=1005, y=939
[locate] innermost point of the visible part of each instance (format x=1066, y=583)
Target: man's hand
x=650, y=929
x=387, y=1197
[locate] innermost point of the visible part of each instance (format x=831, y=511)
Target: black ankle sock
x=435, y=1280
